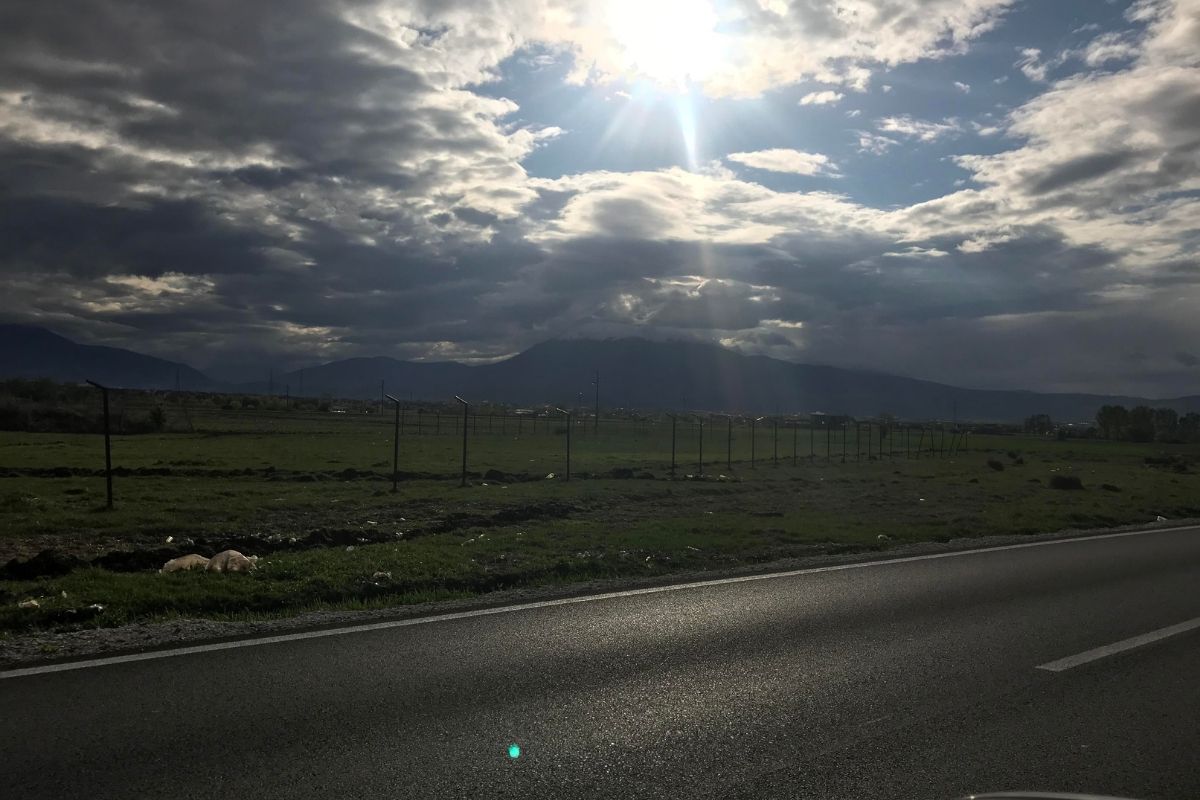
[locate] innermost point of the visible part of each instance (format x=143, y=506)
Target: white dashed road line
x=1131, y=643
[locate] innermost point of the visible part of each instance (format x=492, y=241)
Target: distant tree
x=1113, y=421
x=887, y=421
x=1040, y=424
x=1166, y=425
x=1189, y=427
x=1141, y=424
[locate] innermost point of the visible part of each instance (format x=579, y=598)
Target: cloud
x=965, y=88
x=874, y=143
x=325, y=180
x=1112, y=46
x=1031, y=65
x=767, y=46
x=921, y=130
x=826, y=97
x=1187, y=359
x=797, y=162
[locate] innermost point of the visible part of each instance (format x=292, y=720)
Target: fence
x=415, y=441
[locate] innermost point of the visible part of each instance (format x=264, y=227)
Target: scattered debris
x=349, y=548
x=883, y=537
x=30, y=603
x=1160, y=518
x=381, y=576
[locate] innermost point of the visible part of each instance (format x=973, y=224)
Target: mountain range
x=633, y=373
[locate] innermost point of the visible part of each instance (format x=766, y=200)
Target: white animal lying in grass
x=226, y=561
x=232, y=561
x=185, y=563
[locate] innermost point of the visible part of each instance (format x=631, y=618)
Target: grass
x=440, y=541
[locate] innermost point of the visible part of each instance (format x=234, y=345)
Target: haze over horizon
x=986, y=193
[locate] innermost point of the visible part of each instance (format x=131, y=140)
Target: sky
x=989, y=193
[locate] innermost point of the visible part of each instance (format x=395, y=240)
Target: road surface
x=1060, y=666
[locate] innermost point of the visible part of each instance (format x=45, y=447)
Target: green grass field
x=323, y=480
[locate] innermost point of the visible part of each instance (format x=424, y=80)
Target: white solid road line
x=483, y=612
x=1132, y=642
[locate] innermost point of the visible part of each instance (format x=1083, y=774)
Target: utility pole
x=700, y=459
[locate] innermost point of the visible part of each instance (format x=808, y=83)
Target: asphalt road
x=904, y=679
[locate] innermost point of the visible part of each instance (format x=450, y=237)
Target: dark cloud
x=1187, y=359
x=1084, y=168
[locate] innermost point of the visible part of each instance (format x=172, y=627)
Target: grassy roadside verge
x=442, y=542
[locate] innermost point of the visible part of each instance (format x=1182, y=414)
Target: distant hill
x=634, y=373
x=31, y=352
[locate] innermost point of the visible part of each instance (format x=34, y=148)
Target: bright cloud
x=826, y=97
x=922, y=130
x=780, y=160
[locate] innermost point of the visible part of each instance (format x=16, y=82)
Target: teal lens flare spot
x=514, y=750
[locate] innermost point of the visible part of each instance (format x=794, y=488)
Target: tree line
x=1146, y=424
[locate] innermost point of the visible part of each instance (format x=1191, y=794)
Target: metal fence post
x=395, y=445
x=672, y=445
x=107, y=445
x=567, y=414
x=729, y=445
x=775, y=445
x=466, y=413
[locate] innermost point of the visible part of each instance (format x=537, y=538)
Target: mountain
x=31, y=352
x=634, y=373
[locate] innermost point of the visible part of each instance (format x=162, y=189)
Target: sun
x=671, y=42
